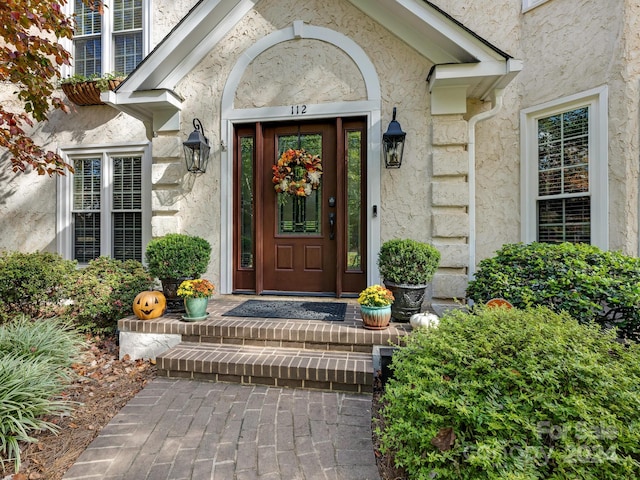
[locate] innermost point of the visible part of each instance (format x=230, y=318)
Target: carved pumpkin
x=150, y=304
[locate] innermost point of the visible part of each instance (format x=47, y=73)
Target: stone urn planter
x=174, y=258
x=407, y=266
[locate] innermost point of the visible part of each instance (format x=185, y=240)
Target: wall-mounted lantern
x=393, y=143
x=196, y=149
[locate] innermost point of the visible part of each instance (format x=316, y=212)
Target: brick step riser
x=268, y=381
x=279, y=343
x=342, y=371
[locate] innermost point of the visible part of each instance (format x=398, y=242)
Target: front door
x=309, y=239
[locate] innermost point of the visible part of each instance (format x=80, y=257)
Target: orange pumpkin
x=150, y=304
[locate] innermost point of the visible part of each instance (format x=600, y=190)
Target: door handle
x=332, y=225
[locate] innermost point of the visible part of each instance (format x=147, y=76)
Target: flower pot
x=408, y=300
x=375, y=318
x=86, y=93
x=169, y=288
x=196, y=308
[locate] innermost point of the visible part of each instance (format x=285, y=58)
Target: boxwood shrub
x=514, y=394
x=33, y=283
x=586, y=282
x=104, y=291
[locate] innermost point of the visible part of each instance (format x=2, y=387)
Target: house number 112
x=298, y=109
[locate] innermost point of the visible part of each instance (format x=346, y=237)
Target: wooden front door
x=309, y=244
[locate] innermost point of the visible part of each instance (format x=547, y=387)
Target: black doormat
x=329, y=311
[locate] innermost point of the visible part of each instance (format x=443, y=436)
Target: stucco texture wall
x=308, y=71
x=28, y=201
x=570, y=53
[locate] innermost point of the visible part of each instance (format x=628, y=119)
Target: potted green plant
x=176, y=257
x=85, y=90
x=196, y=294
x=375, y=307
x=407, y=266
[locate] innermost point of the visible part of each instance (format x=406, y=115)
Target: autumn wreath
x=297, y=173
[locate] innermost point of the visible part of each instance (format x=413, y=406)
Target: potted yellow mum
x=375, y=307
x=196, y=293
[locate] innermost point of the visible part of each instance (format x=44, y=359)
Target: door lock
x=332, y=201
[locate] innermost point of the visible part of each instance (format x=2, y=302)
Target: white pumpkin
x=424, y=319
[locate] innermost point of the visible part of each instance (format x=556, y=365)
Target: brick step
x=277, y=366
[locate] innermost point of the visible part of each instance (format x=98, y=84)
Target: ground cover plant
x=35, y=361
x=514, y=394
x=586, y=282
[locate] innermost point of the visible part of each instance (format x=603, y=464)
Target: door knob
x=332, y=225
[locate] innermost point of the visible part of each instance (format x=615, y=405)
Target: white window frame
x=64, y=225
x=597, y=101
x=107, y=37
x=531, y=4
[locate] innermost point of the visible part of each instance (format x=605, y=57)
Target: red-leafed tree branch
x=30, y=59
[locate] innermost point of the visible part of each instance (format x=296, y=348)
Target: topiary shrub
x=586, y=282
x=408, y=261
x=33, y=283
x=104, y=292
x=178, y=256
x=518, y=394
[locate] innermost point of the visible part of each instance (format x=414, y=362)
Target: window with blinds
x=124, y=49
x=564, y=203
x=127, y=34
x=127, y=208
x=111, y=209
x=87, y=40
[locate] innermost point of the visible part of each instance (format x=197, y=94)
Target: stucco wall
x=28, y=201
x=567, y=54
x=272, y=79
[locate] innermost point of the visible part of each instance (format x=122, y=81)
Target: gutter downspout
x=498, y=94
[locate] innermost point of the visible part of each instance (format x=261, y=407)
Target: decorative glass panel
x=246, y=202
x=300, y=215
x=127, y=208
x=354, y=200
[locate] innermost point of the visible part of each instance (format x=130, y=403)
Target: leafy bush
x=586, y=282
x=178, y=256
x=408, y=261
x=34, y=369
x=514, y=394
x=33, y=283
x=104, y=292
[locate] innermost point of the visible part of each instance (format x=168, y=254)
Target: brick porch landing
x=317, y=355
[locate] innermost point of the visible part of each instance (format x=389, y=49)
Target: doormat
x=329, y=311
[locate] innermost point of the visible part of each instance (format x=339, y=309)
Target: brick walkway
x=185, y=429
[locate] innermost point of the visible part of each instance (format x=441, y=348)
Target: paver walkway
x=185, y=429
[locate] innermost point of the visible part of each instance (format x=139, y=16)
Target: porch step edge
x=283, y=367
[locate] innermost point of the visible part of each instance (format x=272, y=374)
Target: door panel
x=299, y=253
x=312, y=244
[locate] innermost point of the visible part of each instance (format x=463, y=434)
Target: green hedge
x=104, y=291
x=586, y=282
x=33, y=283
x=514, y=394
